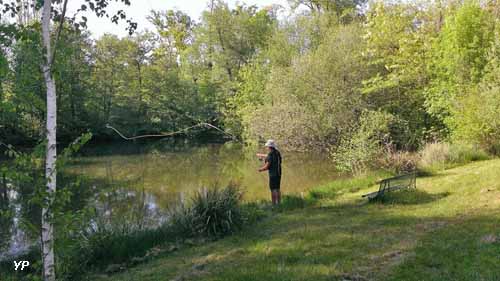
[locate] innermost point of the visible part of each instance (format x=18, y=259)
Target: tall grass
x=439, y=156
x=397, y=161
x=99, y=247
x=209, y=213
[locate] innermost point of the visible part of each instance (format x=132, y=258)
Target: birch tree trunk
x=51, y=153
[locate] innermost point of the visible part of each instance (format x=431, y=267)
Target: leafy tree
x=399, y=53
x=233, y=37
x=460, y=56
x=475, y=115
x=49, y=12
x=316, y=100
x=175, y=30
x=339, y=7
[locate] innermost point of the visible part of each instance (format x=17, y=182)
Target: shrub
x=476, y=119
x=359, y=151
x=211, y=212
x=398, y=162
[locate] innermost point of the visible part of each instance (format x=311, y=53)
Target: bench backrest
x=401, y=181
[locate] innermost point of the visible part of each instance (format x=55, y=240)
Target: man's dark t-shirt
x=274, y=160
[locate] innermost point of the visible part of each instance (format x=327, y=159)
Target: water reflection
x=166, y=173
x=13, y=239
x=137, y=188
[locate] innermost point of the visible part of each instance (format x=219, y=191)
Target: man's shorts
x=274, y=183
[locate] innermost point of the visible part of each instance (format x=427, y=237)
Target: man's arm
x=261, y=156
x=265, y=167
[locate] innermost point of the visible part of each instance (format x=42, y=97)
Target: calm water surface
x=167, y=174
x=140, y=183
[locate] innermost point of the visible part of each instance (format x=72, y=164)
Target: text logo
x=20, y=265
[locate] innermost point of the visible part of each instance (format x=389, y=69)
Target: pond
x=140, y=182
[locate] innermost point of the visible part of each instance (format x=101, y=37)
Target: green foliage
x=25, y=174
x=250, y=96
x=229, y=39
x=459, y=56
x=175, y=29
x=337, y=7
x=145, y=83
x=476, y=115
x=398, y=51
x=476, y=120
x=303, y=80
x=91, y=242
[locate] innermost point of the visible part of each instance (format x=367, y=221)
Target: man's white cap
x=270, y=143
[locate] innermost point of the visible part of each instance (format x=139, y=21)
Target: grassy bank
x=446, y=230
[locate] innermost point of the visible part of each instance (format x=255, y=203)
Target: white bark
x=51, y=154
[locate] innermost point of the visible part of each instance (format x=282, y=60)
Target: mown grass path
x=449, y=229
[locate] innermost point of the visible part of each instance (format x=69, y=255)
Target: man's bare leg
x=275, y=195
x=278, y=196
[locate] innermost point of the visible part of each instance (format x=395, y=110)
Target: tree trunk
x=51, y=154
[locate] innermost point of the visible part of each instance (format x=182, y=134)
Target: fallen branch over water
x=163, y=135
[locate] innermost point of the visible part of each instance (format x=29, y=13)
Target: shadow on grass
x=464, y=249
x=410, y=197
x=341, y=242
x=293, y=201
x=354, y=247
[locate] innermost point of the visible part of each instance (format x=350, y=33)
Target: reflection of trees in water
x=166, y=172
x=18, y=215
x=127, y=202
x=6, y=218
x=4, y=200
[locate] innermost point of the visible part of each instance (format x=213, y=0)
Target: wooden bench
x=391, y=184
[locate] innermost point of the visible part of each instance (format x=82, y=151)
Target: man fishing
x=273, y=165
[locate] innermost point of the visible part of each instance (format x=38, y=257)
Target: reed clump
x=210, y=213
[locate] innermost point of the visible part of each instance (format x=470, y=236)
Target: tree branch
x=58, y=34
